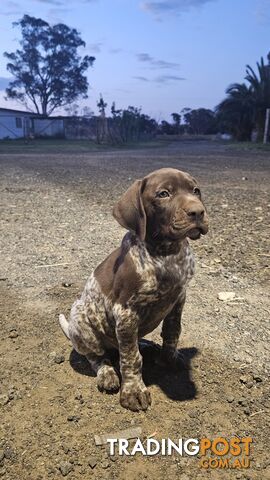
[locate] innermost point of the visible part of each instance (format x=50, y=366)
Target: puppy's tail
x=64, y=325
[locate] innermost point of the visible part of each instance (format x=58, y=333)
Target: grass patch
x=250, y=146
x=69, y=146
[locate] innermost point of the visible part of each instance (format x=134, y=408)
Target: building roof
x=11, y=110
x=39, y=115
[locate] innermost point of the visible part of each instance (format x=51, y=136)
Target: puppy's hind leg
x=86, y=342
x=107, y=378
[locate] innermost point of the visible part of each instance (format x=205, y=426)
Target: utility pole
x=266, y=125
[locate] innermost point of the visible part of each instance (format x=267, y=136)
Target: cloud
x=56, y=3
x=114, y=51
x=168, y=78
x=153, y=63
x=10, y=8
x=142, y=79
x=94, y=47
x=4, y=82
x=171, y=6
x=262, y=15
x=161, y=79
x=60, y=3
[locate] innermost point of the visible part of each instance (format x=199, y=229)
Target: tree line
x=49, y=72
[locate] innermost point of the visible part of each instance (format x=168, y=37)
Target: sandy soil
x=56, y=226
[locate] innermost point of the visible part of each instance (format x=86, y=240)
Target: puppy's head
x=164, y=205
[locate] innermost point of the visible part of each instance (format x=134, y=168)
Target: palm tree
x=235, y=114
x=260, y=86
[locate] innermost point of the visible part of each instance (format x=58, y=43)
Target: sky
x=161, y=55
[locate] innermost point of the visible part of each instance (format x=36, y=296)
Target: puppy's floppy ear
x=129, y=211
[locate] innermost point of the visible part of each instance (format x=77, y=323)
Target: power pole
x=266, y=125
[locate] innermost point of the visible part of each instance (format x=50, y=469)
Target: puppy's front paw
x=107, y=379
x=135, y=396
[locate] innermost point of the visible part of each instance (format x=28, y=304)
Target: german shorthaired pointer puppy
x=141, y=284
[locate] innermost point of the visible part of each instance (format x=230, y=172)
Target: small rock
x=13, y=334
x=230, y=398
x=9, y=453
x=243, y=379
x=73, y=418
x=12, y=394
x=257, y=378
x=65, y=468
x=4, y=399
x=79, y=397
x=226, y=296
x=51, y=471
x=242, y=401
x=66, y=284
x=105, y=464
x=92, y=462
x=66, y=449
x=59, y=359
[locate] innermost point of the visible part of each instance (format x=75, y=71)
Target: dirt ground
x=56, y=226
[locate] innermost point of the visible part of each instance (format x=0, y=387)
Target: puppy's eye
x=163, y=194
x=196, y=191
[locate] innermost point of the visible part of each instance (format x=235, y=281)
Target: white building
x=18, y=124
x=14, y=123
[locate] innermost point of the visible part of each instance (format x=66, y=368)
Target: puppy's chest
x=163, y=278
x=173, y=273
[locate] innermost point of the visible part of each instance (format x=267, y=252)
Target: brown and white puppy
x=141, y=283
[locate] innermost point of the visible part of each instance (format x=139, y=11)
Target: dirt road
x=56, y=226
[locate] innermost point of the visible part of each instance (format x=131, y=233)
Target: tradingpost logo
x=217, y=453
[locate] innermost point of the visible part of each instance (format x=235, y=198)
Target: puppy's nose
x=196, y=213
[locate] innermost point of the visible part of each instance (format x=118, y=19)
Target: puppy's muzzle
x=198, y=217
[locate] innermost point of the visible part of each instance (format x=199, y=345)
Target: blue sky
x=160, y=55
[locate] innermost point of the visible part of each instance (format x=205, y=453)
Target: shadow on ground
x=175, y=384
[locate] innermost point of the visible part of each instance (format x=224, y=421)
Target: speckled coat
x=163, y=282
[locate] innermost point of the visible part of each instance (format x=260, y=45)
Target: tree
x=245, y=106
x=48, y=70
x=130, y=125
x=235, y=114
x=87, y=112
x=200, y=121
x=102, y=124
x=176, y=120
x=260, y=88
x=166, y=128
x=102, y=106
x=72, y=110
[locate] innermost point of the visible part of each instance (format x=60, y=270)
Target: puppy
x=141, y=284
